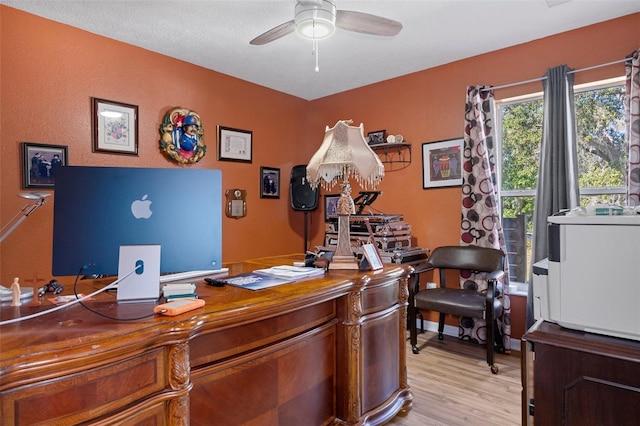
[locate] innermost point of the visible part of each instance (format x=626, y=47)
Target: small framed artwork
x=377, y=137
x=234, y=144
x=40, y=162
x=269, y=182
x=115, y=127
x=330, y=203
x=442, y=163
x=372, y=257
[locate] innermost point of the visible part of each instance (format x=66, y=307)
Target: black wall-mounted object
x=303, y=198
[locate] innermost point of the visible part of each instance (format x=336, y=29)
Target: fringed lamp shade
x=345, y=154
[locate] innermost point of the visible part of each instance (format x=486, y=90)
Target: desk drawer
x=380, y=297
x=80, y=397
x=211, y=347
x=289, y=383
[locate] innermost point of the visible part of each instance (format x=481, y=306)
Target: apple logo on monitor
x=141, y=209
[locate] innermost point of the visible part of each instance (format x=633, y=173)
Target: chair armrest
x=492, y=280
x=414, y=285
x=495, y=275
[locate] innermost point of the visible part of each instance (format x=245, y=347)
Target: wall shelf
x=394, y=153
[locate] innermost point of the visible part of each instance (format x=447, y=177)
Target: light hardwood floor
x=453, y=386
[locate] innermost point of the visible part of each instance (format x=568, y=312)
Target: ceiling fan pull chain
x=316, y=53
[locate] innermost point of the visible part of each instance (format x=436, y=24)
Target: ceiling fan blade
x=274, y=33
x=366, y=23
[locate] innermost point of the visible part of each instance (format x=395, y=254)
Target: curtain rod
x=533, y=80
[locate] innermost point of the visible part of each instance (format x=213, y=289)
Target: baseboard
x=450, y=330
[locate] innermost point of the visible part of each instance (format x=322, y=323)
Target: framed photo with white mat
x=371, y=258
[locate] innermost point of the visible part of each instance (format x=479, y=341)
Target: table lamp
x=37, y=199
x=344, y=154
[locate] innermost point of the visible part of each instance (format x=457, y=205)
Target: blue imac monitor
x=99, y=209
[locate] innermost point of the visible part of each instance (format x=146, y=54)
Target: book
x=291, y=272
x=254, y=281
x=171, y=289
x=181, y=296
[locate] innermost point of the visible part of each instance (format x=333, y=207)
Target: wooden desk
x=571, y=377
x=320, y=351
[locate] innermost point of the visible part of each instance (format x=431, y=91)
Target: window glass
x=601, y=147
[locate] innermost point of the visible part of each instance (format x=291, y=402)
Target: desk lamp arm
x=25, y=212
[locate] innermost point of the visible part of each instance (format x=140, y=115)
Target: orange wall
x=428, y=106
x=49, y=73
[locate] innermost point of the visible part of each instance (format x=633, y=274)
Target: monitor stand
x=144, y=283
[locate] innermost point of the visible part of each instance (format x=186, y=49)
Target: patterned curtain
x=480, y=222
x=633, y=128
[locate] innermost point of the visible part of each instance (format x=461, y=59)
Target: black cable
x=310, y=224
x=75, y=292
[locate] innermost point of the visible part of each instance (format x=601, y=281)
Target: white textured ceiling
x=216, y=34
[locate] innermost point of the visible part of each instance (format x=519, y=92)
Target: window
x=602, y=156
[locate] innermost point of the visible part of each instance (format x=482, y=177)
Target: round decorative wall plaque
x=182, y=136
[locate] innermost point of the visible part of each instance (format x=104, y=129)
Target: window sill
x=518, y=289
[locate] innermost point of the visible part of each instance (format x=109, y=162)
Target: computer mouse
x=216, y=282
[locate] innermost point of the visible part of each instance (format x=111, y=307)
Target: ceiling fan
x=318, y=19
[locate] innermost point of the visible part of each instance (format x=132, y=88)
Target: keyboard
x=180, y=276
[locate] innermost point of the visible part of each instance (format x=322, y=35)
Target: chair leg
x=413, y=332
x=421, y=322
x=499, y=341
x=441, y=327
x=492, y=334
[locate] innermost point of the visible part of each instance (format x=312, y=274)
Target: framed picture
x=442, y=163
x=330, y=202
x=39, y=164
x=371, y=255
x=234, y=144
x=269, y=182
x=115, y=127
x=377, y=137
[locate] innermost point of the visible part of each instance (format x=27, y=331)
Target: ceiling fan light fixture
x=316, y=21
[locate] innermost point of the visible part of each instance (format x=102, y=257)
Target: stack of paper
x=291, y=272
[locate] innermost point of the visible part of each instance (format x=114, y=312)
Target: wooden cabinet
x=318, y=351
x=372, y=375
x=574, y=378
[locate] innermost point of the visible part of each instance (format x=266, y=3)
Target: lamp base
x=343, y=262
x=343, y=258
